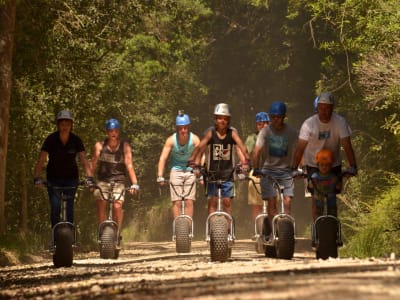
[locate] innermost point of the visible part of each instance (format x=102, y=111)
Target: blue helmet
x=277, y=108
x=262, y=117
x=182, y=119
x=112, y=124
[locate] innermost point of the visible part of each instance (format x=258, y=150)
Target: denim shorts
x=284, y=179
x=227, y=191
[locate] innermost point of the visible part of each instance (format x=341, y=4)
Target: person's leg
x=176, y=208
x=317, y=208
x=55, y=205
x=101, y=210
x=118, y=213
x=227, y=205
x=70, y=194
x=257, y=209
x=101, y=204
x=212, y=204
x=287, y=203
x=189, y=207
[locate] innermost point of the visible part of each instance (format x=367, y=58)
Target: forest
x=140, y=61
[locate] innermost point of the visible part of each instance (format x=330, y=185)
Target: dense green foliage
x=140, y=61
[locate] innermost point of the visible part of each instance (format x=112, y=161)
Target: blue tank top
x=180, y=154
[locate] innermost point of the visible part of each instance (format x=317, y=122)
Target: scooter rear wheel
x=326, y=233
x=219, y=248
x=107, y=243
x=182, y=235
x=63, y=254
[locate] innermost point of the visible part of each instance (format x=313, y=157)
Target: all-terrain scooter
x=326, y=230
x=279, y=235
x=64, y=233
x=182, y=226
x=108, y=233
x=326, y=234
x=220, y=226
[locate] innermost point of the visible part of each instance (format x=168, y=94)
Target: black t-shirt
x=62, y=158
x=221, y=159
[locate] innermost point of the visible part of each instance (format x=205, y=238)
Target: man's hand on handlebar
x=38, y=182
x=160, y=180
x=351, y=171
x=134, y=188
x=89, y=182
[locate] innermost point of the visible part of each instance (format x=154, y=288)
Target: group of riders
x=274, y=150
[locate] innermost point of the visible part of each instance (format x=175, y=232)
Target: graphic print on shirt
x=278, y=145
x=324, y=135
x=111, y=157
x=221, y=153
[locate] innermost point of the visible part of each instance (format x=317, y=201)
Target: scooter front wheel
x=285, y=244
x=219, y=248
x=182, y=235
x=63, y=254
x=107, y=243
x=326, y=233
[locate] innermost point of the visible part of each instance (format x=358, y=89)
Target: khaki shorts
x=106, y=189
x=182, y=182
x=254, y=198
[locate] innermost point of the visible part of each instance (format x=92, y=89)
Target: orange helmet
x=325, y=156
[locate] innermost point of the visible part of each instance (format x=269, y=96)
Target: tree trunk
x=24, y=199
x=7, y=25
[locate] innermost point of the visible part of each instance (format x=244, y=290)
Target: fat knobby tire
x=107, y=243
x=285, y=244
x=219, y=249
x=326, y=231
x=63, y=254
x=182, y=232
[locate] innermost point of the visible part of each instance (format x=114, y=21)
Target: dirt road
x=155, y=271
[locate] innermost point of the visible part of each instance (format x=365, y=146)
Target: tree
x=7, y=25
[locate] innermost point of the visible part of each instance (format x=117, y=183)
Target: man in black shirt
x=61, y=148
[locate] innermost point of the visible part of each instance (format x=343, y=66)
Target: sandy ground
x=155, y=271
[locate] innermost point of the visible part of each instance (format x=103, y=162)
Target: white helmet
x=65, y=115
x=222, y=109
